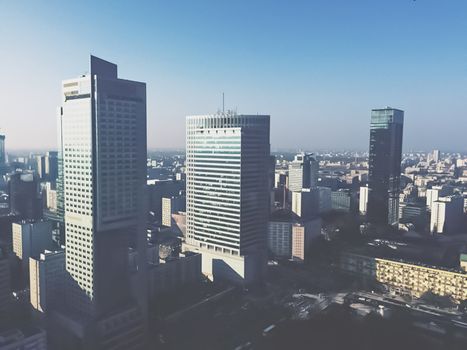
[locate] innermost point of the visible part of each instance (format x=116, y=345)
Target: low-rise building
x=407, y=278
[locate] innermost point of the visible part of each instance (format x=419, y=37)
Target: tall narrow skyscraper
x=227, y=193
x=103, y=155
x=2, y=150
x=385, y=155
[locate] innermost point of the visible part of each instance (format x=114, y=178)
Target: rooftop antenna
x=223, y=104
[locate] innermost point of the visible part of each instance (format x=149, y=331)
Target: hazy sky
x=317, y=67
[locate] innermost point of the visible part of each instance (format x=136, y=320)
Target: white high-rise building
x=447, y=214
x=436, y=155
x=227, y=195
x=436, y=192
x=303, y=172
x=103, y=149
x=363, y=203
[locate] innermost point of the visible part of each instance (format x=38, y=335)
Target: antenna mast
x=223, y=105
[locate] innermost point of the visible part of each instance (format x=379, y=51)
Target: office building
x=303, y=172
x=447, y=215
x=103, y=151
x=434, y=193
x=342, y=200
x=227, y=166
x=305, y=203
x=280, y=233
x=38, y=164
x=19, y=339
x=30, y=239
x=2, y=151
x=385, y=165
x=24, y=195
x=47, y=280
x=363, y=202
x=290, y=237
x=303, y=235
x=325, y=203
x=435, y=155
x=413, y=212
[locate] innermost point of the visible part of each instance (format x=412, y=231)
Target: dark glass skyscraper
x=385, y=165
x=2, y=150
x=2, y=155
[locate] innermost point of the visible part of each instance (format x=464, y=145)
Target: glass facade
x=385, y=165
x=227, y=193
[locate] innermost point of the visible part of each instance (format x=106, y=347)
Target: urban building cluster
x=93, y=234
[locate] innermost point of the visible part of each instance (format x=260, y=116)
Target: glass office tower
x=385, y=165
x=227, y=192
x=2, y=150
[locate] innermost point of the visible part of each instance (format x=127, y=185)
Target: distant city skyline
x=317, y=68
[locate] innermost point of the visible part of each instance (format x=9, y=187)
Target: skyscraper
x=39, y=165
x=303, y=172
x=227, y=167
x=2, y=150
x=385, y=165
x=436, y=155
x=103, y=150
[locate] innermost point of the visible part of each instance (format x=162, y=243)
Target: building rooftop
x=367, y=251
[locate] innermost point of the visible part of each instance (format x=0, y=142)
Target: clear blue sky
x=318, y=67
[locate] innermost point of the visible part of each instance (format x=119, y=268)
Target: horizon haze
x=317, y=68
